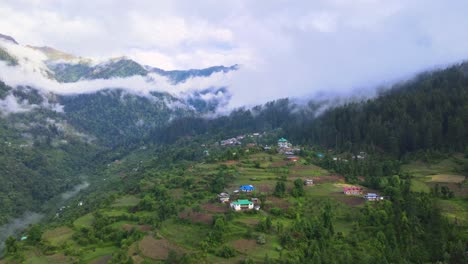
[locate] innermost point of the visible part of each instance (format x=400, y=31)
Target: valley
x=113, y=161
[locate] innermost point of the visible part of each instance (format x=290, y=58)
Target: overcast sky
x=286, y=48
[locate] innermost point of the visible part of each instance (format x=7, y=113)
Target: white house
x=283, y=143
x=240, y=205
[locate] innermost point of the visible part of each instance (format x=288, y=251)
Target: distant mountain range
x=108, y=113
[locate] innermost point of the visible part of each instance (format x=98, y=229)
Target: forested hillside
x=428, y=112
x=156, y=168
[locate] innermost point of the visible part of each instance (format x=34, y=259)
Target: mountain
x=181, y=76
x=124, y=67
x=8, y=38
x=54, y=54
x=68, y=68
x=50, y=141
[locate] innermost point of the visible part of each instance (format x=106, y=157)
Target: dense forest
x=428, y=112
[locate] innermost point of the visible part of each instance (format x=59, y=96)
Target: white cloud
x=286, y=48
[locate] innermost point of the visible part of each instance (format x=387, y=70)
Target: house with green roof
x=283, y=143
x=240, y=205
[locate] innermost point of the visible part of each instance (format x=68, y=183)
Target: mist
x=16, y=225
x=69, y=194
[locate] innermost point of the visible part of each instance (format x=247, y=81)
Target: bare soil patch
x=197, y=217
x=215, y=208
x=142, y=228
x=276, y=202
x=265, y=187
x=350, y=200
x=156, y=248
x=306, y=167
x=230, y=162
x=244, y=245
x=279, y=163
x=329, y=178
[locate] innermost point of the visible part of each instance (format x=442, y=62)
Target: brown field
x=265, y=187
x=349, y=200
x=156, y=248
x=215, y=208
x=277, y=202
x=197, y=217
x=244, y=245
x=142, y=228
x=306, y=167
x=279, y=163
x=329, y=178
x=230, y=162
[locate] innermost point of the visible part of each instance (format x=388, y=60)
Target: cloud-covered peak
x=8, y=38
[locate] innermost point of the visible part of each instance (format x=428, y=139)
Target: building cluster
x=287, y=149
x=237, y=141
x=231, y=142
x=354, y=190
x=240, y=204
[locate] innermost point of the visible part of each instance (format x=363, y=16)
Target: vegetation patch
x=244, y=245
x=126, y=201
x=58, y=235
x=102, y=260
x=447, y=178
x=98, y=253
x=84, y=221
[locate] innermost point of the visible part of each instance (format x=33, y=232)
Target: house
x=257, y=207
x=373, y=197
x=242, y=205
x=266, y=148
x=293, y=158
x=352, y=190
x=255, y=200
x=296, y=150
x=283, y=143
x=230, y=142
x=223, y=197
x=247, y=188
x=309, y=182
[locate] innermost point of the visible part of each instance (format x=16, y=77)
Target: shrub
x=226, y=252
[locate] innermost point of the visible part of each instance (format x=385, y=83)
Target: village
x=245, y=197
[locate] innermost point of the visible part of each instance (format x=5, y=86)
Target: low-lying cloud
x=299, y=49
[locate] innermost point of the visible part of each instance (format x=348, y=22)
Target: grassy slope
x=445, y=172
x=186, y=235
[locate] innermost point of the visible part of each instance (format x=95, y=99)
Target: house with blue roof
x=247, y=188
x=373, y=197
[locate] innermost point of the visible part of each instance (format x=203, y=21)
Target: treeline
x=429, y=112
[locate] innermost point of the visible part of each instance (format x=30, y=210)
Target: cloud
x=299, y=48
